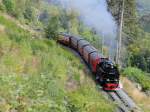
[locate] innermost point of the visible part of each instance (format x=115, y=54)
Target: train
x=105, y=71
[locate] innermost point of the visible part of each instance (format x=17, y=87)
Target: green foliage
x=140, y=52
x=23, y=10
x=10, y=6
x=28, y=14
x=52, y=28
x=135, y=40
x=138, y=76
x=78, y=101
x=130, y=20
x=67, y=21
x=2, y=7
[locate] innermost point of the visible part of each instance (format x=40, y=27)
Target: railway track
x=124, y=102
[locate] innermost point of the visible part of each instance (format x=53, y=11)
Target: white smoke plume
x=94, y=14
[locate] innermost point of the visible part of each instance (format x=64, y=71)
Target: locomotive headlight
x=107, y=80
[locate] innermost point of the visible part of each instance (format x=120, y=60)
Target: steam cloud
x=94, y=13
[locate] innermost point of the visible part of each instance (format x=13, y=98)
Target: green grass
x=138, y=76
x=86, y=100
x=34, y=73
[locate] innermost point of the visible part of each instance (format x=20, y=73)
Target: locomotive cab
x=108, y=75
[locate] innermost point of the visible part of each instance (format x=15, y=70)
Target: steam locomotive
x=106, y=72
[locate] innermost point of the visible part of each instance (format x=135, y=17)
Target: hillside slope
x=38, y=75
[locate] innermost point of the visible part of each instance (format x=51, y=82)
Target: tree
x=52, y=29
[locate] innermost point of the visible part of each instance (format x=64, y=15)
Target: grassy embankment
x=137, y=76
x=37, y=75
x=141, y=99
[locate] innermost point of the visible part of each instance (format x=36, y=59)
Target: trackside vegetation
x=138, y=76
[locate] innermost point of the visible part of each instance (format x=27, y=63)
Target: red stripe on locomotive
x=110, y=86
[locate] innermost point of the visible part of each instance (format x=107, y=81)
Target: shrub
x=138, y=76
x=9, y=5
x=2, y=7
x=29, y=14
x=52, y=29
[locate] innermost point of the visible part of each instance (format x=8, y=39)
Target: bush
x=2, y=7
x=52, y=28
x=29, y=14
x=10, y=6
x=138, y=76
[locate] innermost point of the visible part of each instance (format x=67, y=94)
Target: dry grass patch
x=139, y=97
